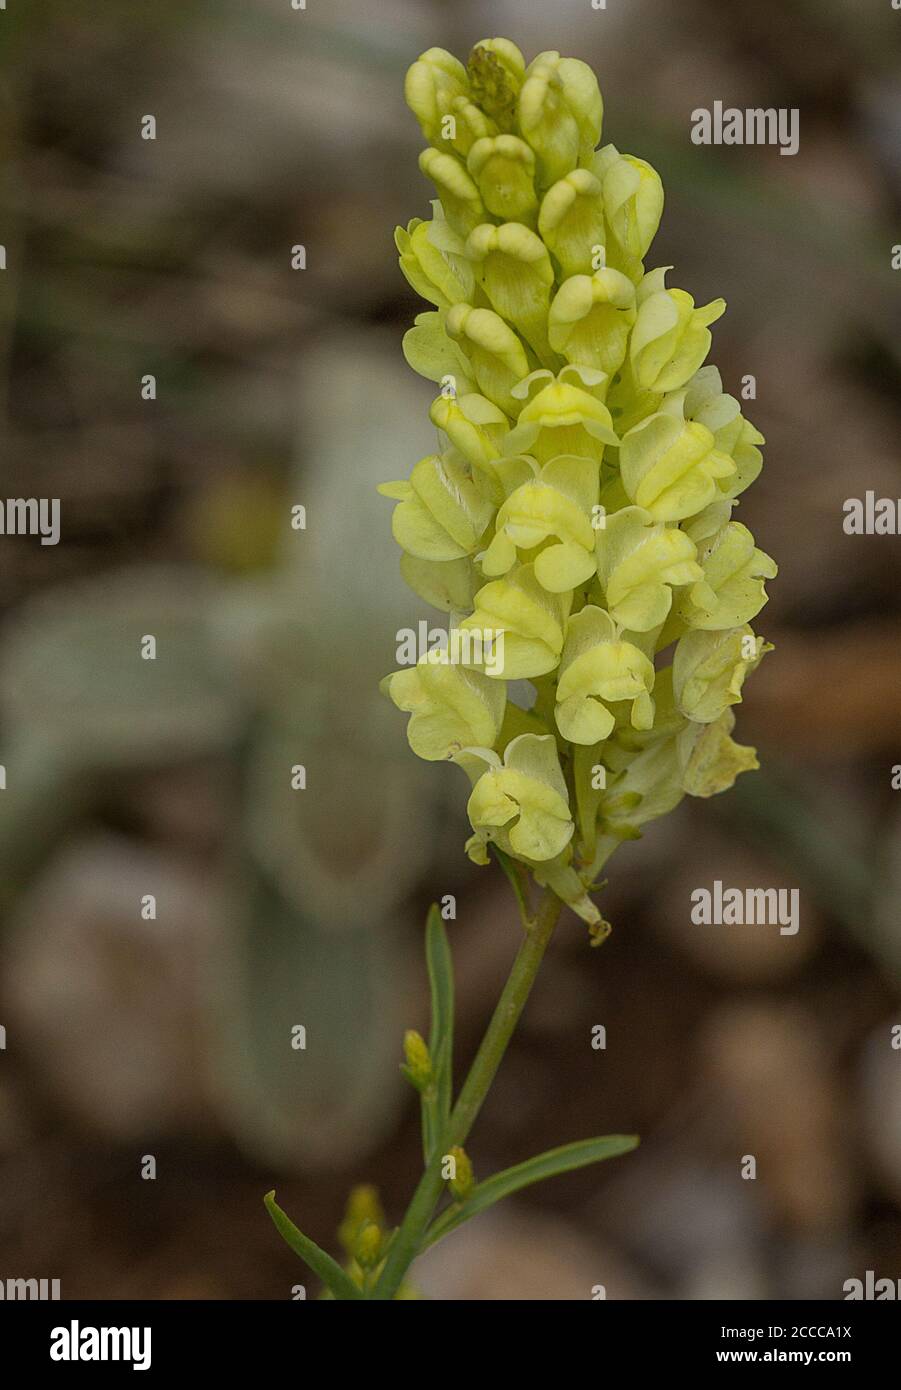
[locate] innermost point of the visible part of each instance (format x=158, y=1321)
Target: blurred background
x=170, y=1037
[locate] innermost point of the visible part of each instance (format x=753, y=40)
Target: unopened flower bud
x=560, y=113
x=367, y=1250
x=504, y=169
x=430, y=88
x=571, y=222
x=363, y=1207
x=463, y=1181
x=496, y=70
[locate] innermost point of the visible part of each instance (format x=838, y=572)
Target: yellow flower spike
x=671, y=337
x=670, y=467
x=560, y=113
x=520, y=803
x=730, y=590
x=590, y=319
x=562, y=417
x=556, y=504
x=449, y=585
x=450, y=706
x=463, y=206
x=571, y=222
x=504, y=169
x=514, y=270
x=579, y=523
x=638, y=561
x=463, y=1181
x=442, y=513
x=710, y=668
x=472, y=423
x=531, y=619
x=496, y=70
x=710, y=759
x=443, y=277
x=431, y=86
x=497, y=357
x=633, y=204
x=598, y=666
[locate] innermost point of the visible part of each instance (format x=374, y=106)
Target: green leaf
x=547, y=1165
x=436, y=1102
x=322, y=1264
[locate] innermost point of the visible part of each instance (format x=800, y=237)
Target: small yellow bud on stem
x=367, y=1250
x=463, y=1180
x=418, y=1066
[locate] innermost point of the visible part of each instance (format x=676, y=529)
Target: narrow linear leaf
x=441, y=1037
x=321, y=1263
x=547, y=1165
x=516, y=883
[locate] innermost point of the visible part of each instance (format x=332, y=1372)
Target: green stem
x=408, y=1241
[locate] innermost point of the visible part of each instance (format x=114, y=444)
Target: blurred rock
x=699, y=1230
x=769, y=1070
x=105, y=1006
x=516, y=1255
x=746, y=953
x=880, y=1084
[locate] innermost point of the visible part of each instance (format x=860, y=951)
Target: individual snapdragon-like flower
x=671, y=337
x=473, y=424
x=590, y=318
x=633, y=205
x=730, y=590
x=711, y=759
x=710, y=668
x=562, y=416
x=600, y=667
x=496, y=355
x=560, y=113
x=503, y=167
x=520, y=802
x=459, y=195
x=671, y=466
x=571, y=222
x=450, y=706
x=432, y=85
x=639, y=561
x=532, y=621
x=555, y=505
x=514, y=270
x=432, y=259
x=707, y=403
x=576, y=518
x=442, y=512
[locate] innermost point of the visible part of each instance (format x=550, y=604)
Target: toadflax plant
x=576, y=524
